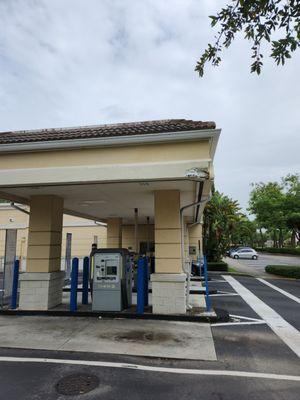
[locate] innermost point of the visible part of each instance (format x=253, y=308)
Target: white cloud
x=73, y=62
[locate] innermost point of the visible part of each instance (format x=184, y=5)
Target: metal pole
x=85, y=281
x=199, y=258
x=146, y=277
x=136, y=241
x=74, y=284
x=141, y=286
x=148, y=236
x=207, y=298
x=14, y=294
x=68, y=256
x=188, y=285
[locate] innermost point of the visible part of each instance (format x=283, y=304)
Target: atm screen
x=111, y=270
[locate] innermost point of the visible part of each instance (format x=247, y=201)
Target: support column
x=114, y=233
x=168, y=282
x=195, y=234
x=41, y=285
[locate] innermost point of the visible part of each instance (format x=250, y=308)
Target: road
x=256, y=356
x=257, y=267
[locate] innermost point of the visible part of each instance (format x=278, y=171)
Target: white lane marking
x=224, y=294
x=239, y=323
x=287, y=294
x=285, y=331
x=247, y=318
x=139, y=367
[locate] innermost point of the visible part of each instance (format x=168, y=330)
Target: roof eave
x=113, y=141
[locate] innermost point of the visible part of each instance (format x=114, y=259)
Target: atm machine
x=112, y=279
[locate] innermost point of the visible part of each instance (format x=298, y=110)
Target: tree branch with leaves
x=276, y=22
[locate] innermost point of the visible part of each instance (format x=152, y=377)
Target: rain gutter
x=108, y=141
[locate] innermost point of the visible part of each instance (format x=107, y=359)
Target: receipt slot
x=112, y=282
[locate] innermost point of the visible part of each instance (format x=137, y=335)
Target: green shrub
x=287, y=271
x=217, y=266
x=285, y=250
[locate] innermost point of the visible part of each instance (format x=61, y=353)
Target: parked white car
x=245, y=252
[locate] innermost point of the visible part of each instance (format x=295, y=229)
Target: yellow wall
x=128, y=235
x=11, y=218
x=167, y=231
x=45, y=230
x=114, y=233
x=17, y=217
x=82, y=236
x=195, y=234
x=108, y=155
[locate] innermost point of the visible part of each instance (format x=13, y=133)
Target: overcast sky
x=80, y=62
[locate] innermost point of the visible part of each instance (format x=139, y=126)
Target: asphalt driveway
x=257, y=267
x=253, y=361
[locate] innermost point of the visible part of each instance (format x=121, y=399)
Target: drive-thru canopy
x=105, y=172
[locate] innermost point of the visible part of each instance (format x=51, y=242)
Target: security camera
x=196, y=173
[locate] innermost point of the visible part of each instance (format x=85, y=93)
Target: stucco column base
x=168, y=293
x=41, y=290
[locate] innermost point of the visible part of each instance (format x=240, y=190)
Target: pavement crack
x=72, y=336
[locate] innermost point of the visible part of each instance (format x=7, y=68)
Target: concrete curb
x=233, y=273
x=192, y=291
x=221, y=315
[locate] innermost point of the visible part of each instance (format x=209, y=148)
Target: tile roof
x=109, y=130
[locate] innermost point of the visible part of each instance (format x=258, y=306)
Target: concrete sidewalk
x=164, y=339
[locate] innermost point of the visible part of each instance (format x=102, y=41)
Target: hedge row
x=287, y=271
x=217, y=266
x=285, y=250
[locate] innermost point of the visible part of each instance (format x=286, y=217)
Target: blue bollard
x=14, y=294
x=141, y=286
x=146, y=277
x=207, y=298
x=74, y=284
x=85, y=280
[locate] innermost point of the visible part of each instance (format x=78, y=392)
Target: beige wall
x=167, y=231
x=83, y=238
x=128, y=235
x=195, y=234
x=11, y=216
x=114, y=233
x=127, y=154
x=22, y=235
x=83, y=232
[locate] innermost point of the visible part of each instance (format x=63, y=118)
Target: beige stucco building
x=128, y=176
x=84, y=232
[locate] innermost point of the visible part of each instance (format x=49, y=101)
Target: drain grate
x=75, y=384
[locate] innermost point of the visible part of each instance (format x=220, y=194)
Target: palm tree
x=221, y=215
